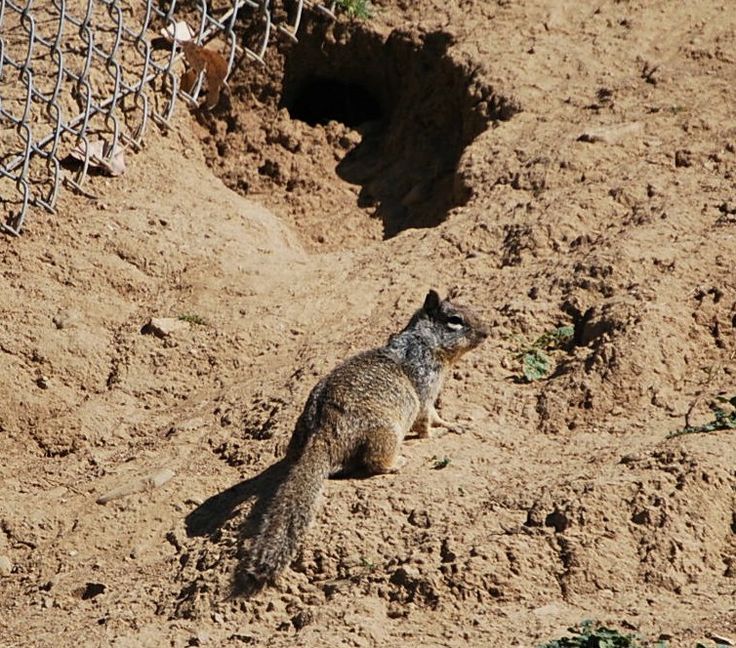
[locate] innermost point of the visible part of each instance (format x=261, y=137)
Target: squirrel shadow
x=403, y=189
x=210, y=516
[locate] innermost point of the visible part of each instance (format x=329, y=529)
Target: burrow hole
x=416, y=107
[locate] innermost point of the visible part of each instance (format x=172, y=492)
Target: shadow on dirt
x=415, y=105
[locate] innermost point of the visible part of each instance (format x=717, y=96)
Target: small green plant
x=591, y=635
x=724, y=418
x=356, y=8
x=439, y=464
x=535, y=360
x=192, y=318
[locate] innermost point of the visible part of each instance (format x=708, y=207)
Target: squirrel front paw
x=437, y=421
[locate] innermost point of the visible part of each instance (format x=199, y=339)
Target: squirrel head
x=455, y=329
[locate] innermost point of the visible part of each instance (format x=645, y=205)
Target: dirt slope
x=560, y=163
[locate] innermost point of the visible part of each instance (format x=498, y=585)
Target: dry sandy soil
x=561, y=163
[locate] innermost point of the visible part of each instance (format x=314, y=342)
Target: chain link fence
x=81, y=80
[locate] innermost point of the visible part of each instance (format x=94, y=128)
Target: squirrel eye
x=455, y=322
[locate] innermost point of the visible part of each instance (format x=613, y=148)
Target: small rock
x=611, y=134
x=42, y=382
x=49, y=584
x=683, y=158
x=302, y=618
x=652, y=73
x=535, y=515
x=65, y=318
x=202, y=638
x=164, y=326
x=349, y=139
x=160, y=477
x=137, y=551
x=447, y=552
x=153, y=479
x=6, y=567
x=419, y=518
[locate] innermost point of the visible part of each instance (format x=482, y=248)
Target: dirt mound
x=565, y=167
x=397, y=111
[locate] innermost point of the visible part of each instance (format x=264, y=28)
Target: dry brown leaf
x=188, y=79
x=212, y=63
x=101, y=156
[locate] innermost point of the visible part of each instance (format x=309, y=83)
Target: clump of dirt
x=351, y=124
x=665, y=515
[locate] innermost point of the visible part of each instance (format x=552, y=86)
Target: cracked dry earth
x=563, y=163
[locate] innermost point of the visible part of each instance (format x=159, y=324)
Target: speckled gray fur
x=357, y=417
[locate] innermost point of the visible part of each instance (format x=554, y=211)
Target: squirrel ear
x=432, y=301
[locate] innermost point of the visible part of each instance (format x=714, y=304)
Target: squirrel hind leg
x=381, y=452
x=422, y=427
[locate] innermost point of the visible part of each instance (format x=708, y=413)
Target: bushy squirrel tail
x=289, y=515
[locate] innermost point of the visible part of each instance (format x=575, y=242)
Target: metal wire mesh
x=75, y=71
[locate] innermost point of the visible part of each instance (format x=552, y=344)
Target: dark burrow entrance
x=322, y=100
x=390, y=116
x=415, y=106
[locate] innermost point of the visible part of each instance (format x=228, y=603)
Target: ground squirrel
x=358, y=415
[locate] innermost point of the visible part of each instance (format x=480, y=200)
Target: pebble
x=683, y=158
x=66, y=318
x=153, y=479
x=6, y=567
x=165, y=326
x=611, y=134
x=202, y=638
